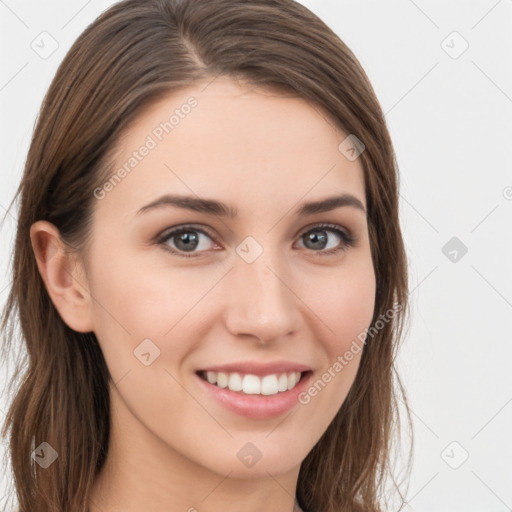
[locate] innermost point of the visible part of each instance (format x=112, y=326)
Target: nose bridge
x=262, y=303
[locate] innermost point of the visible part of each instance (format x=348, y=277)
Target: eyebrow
x=213, y=207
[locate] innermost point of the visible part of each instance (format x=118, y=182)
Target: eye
x=317, y=239
x=186, y=239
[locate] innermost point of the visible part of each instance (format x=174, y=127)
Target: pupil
x=318, y=241
x=189, y=240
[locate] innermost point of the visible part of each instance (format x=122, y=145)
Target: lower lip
x=256, y=406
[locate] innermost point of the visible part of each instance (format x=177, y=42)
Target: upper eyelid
x=167, y=233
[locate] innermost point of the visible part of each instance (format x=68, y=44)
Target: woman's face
x=267, y=286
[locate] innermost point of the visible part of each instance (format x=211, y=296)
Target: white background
x=451, y=123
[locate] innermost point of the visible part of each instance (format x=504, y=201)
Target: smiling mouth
x=249, y=384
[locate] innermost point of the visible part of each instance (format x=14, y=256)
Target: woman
x=209, y=271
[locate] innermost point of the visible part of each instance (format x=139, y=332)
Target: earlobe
x=63, y=276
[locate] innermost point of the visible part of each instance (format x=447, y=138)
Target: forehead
x=232, y=142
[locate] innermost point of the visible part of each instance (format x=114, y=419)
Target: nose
x=262, y=304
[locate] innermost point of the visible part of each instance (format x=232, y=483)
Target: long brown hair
x=132, y=55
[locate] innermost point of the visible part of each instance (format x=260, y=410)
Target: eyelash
x=348, y=240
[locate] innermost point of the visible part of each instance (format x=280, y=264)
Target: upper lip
x=254, y=368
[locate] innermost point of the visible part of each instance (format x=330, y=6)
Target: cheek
x=356, y=301
x=346, y=305
x=135, y=301
x=143, y=297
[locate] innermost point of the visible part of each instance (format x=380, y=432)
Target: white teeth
x=235, y=382
x=269, y=385
x=292, y=380
x=252, y=384
x=222, y=380
x=282, y=383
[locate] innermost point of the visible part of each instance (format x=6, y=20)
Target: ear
x=63, y=275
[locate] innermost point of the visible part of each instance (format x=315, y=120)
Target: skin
x=172, y=447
